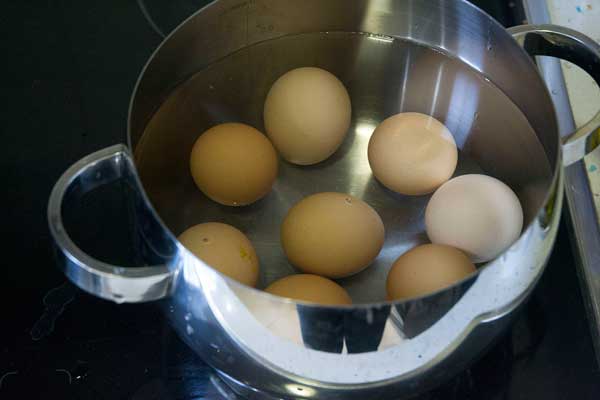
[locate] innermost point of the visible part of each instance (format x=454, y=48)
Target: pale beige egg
x=332, y=234
x=307, y=115
x=426, y=269
x=311, y=288
x=412, y=153
x=477, y=214
x=234, y=164
x=225, y=249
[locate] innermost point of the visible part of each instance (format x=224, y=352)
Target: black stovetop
x=68, y=70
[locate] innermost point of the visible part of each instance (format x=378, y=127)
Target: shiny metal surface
x=111, y=282
x=457, y=28
x=570, y=45
x=582, y=186
x=498, y=110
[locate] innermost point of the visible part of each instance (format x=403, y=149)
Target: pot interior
x=384, y=76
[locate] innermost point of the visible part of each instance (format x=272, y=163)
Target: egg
x=412, y=153
x=312, y=288
x=477, y=214
x=426, y=269
x=233, y=164
x=332, y=234
x=307, y=115
x=225, y=249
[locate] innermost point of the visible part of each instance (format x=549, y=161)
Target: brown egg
x=225, y=249
x=332, y=234
x=412, y=153
x=311, y=288
x=233, y=164
x=426, y=269
x=307, y=115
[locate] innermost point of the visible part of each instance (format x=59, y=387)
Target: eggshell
x=225, y=249
x=477, y=214
x=332, y=234
x=233, y=164
x=307, y=115
x=426, y=269
x=312, y=288
x=412, y=153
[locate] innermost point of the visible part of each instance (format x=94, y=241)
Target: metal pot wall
x=217, y=66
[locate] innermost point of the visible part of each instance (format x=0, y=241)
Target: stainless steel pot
x=217, y=66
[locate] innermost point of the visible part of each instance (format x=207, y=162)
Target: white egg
x=477, y=214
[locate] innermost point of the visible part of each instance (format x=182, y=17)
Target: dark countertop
x=68, y=70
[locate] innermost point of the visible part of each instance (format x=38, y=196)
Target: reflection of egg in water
x=477, y=214
x=412, y=153
x=233, y=164
x=332, y=234
x=225, y=249
x=307, y=115
x=312, y=288
x=426, y=269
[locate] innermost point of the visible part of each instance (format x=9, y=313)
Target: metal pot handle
x=104, y=280
x=567, y=44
